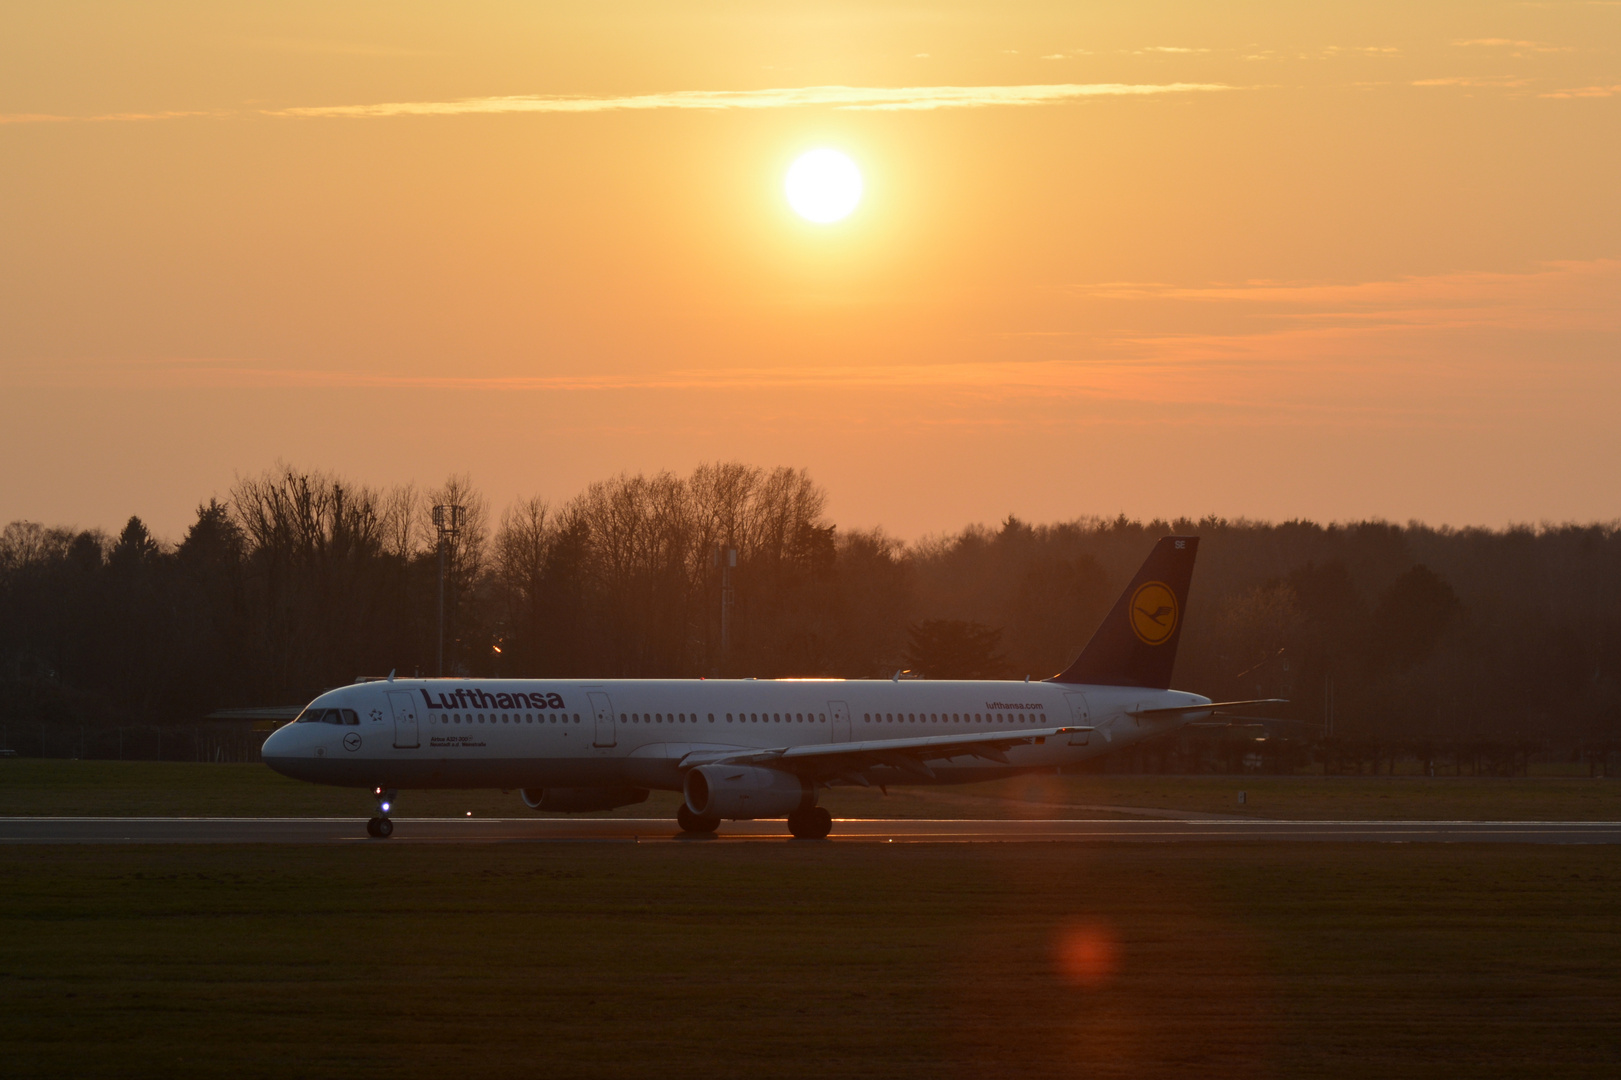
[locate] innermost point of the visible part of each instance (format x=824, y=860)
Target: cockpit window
x=313, y=715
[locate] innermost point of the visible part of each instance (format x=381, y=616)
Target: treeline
x=298, y=581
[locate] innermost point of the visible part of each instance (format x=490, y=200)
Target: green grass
x=811, y=960
x=157, y=789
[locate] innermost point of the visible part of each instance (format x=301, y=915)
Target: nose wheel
x=380, y=826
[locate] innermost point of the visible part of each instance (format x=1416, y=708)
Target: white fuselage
x=544, y=733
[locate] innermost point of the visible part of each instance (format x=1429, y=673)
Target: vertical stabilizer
x=1136, y=645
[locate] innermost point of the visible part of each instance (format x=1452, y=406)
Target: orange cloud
x=860, y=98
x=1586, y=92
x=1469, y=347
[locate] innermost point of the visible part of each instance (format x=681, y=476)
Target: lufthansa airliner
x=751, y=748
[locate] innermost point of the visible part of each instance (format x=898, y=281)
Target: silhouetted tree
x=1461, y=645
x=955, y=649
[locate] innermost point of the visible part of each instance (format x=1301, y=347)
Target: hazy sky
x=1265, y=259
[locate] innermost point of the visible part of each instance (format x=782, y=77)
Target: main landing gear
x=812, y=823
x=695, y=823
x=380, y=826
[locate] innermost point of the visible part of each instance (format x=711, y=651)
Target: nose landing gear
x=380, y=826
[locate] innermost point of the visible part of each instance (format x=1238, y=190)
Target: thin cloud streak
x=1586, y=92
x=1505, y=82
x=855, y=98
x=1253, y=375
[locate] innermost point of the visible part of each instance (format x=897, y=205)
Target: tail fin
x=1136, y=645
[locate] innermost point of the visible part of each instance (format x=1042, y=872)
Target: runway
x=112, y=830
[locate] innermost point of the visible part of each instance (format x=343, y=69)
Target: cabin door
x=405, y=720
x=1080, y=716
x=841, y=721
x=603, y=710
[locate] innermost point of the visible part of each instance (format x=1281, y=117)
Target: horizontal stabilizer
x=837, y=759
x=1213, y=706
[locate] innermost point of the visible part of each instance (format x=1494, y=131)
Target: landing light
x=384, y=808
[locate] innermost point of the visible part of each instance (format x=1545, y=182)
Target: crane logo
x=1153, y=612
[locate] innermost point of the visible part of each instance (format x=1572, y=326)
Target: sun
x=823, y=186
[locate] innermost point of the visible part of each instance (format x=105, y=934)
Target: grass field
x=806, y=960
x=40, y=786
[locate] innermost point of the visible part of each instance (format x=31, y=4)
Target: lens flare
x=1087, y=954
x=823, y=186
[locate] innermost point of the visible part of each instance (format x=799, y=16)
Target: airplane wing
x=1183, y=710
x=848, y=760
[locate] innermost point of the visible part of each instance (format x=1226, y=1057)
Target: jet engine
x=738, y=792
x=577, y=800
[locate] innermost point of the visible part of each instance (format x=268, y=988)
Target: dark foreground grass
x=811, y=960
x=166, y=789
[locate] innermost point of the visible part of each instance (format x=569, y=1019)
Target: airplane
x=740, y=749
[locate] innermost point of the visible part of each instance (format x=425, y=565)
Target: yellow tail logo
x=1153, y=612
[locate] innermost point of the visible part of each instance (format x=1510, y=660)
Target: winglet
x=1136, y=644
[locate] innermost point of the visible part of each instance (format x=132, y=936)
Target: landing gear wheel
x=380, y=827
x=813, y=823
x=695, y=823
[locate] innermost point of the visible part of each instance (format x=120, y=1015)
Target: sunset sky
x=1258, y=259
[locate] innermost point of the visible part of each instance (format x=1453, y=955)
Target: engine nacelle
x=577, y=800
x=738, y=792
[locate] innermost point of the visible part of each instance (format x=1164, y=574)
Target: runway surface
x=111, y=830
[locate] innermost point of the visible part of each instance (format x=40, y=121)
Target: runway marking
x=220, y=830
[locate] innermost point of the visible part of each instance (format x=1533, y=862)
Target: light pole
x=448, y=520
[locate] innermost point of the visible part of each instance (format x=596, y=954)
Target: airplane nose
x=276, y=751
